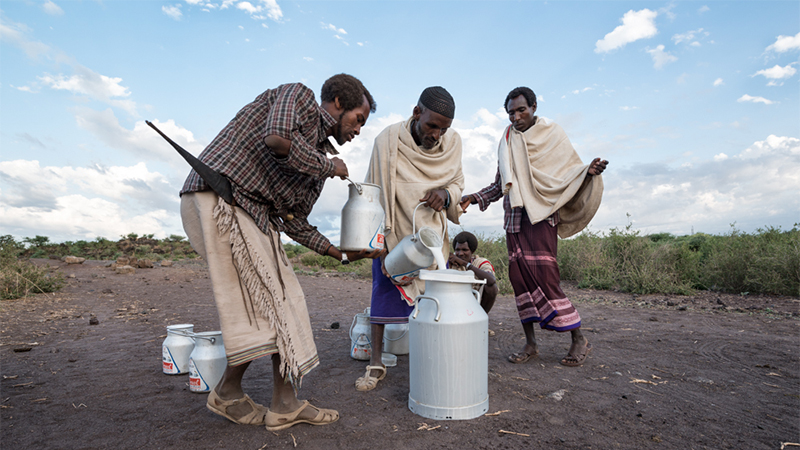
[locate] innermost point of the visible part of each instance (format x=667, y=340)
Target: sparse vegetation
x=764, y=262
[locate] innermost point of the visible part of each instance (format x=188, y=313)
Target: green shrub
x=20, y=278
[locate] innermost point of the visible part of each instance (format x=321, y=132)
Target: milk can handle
x=477, y=295
x=416, y=307
x=358, y=185
x=414, y=221
x=210, y=338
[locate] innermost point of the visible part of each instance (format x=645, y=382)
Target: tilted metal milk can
x=413, y=252
x=362, y=218
x=177, y=348
x=448, y=348
x=395, y=338
x=360, y=332
x=208, y=361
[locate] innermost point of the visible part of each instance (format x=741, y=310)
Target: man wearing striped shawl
x=548, y=192
x=274, y=153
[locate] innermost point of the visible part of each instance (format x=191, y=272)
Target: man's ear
x=336, y=103
x=417, y=112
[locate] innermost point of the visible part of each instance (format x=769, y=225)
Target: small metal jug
x=208, y=361
x=362, y=218
x=177, y=348
x=413, y=252
x=360, y=332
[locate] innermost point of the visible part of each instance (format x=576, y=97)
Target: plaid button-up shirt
x=266, y=186
x=512, y=216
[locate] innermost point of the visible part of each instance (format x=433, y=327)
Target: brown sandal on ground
x=521, y=357
x=276, y=421
x=219, y=406
x=577, y=360
x=367, y=382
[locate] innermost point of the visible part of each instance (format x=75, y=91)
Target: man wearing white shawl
x=548, y=193
x=414, y=161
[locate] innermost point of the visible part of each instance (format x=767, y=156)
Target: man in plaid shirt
x=274, y=153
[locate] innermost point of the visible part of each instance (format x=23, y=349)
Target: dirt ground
x=709, y=371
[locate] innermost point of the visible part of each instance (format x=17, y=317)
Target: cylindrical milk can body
x=177, y=348
x=448, y=349
x=208, y=361
x=395, y=338
x=360, y=332
x=362, y=219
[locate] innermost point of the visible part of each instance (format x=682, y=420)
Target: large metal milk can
x=448, y=348
x=414, y=252
x=208, y=361
x=362, y=218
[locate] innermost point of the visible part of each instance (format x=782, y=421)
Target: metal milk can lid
x=450, y=276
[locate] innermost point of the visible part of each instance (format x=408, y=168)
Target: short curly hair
x=469, y=238
x=526, y=92
x=350, y=91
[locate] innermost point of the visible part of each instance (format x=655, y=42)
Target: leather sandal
x=277, y=421
x=219, y=406
x=578, y=359
x=367, y=382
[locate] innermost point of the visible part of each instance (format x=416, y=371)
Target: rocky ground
x=709, y=371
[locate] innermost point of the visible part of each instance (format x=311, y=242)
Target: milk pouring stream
x=177, y=348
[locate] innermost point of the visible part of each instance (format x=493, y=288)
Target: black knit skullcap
x=438, y=100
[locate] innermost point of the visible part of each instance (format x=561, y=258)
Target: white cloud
x=579, y=91
x=703, y=9
x=173, y=12
x=635, y=25
x=52, y=9
x=14, y=33
x=141, y=141
x=257, y=11
x=707, y=196
x=98, y=87
x=308, y=58
x=785, y=43
x=689, y=36
x=332, y=27
x=628, y=108
x=85, y=202
x=660, y=57
x=777, y=73
x=748, y=98
x=718, y=82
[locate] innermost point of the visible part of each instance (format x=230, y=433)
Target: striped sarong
x=388, y=305
x=534, y=274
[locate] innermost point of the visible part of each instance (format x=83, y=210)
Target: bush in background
x=20, y=278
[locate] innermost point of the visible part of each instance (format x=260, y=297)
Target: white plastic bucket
x=395, y=338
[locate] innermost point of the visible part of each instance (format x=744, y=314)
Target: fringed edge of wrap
x=263, y=292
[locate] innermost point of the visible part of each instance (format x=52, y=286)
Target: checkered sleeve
x=489, y=194
x=304, y=233
x=294, y=112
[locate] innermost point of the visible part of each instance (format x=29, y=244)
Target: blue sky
x=696, y=104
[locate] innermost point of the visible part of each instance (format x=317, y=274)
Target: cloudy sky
x=695, y=104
